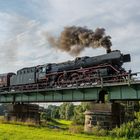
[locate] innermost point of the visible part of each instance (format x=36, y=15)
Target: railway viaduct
x=128, y=90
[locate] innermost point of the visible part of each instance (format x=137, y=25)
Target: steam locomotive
x=82, y=70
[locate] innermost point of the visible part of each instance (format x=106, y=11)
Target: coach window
x=43, y=69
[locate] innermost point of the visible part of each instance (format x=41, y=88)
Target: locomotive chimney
x=108, y=50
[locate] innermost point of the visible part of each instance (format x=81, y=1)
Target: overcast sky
x=23, y=22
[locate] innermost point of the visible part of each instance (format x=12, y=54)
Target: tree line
x=66, y=111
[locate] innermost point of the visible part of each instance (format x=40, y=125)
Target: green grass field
x=20, y=132
x=23, y=132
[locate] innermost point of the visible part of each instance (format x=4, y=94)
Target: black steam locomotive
x=82, y=70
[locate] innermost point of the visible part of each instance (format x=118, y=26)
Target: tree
x=66, y=111
x=53, y=112
x=79, y=110
x=62, y=110
x=69, y=111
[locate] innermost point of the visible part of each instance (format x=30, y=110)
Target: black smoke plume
x=75, y=39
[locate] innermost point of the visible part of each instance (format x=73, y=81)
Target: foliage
x=62, y=110
x=76, y=129
x=66, y=111
x=99, y=132
x=128, y=130
x=69, y=111
x=79, y=116
x=52, y=111
x=44, y=116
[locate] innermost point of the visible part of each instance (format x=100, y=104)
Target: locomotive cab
x=41, y=72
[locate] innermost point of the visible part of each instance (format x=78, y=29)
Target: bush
x=99, y=132
x=76, y=129
x=102, y=132
x=128, y=130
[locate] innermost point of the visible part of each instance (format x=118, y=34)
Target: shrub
x=128, y=130
x=102, y=132
x=99, y=132
x=76, y=129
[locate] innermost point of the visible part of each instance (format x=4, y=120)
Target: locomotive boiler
x=80, y=71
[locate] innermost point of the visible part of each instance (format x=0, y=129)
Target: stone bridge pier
x=23, y=113
x=109, y=115
x=103, y=115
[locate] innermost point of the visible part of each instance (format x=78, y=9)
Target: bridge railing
x=100, y=81
x=126, y=78
x=120, y=78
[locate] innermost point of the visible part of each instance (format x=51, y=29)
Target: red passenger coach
x=5, y=79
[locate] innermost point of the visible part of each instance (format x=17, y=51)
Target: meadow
x=24, y=132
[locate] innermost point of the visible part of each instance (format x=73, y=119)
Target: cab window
x=43, y=69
